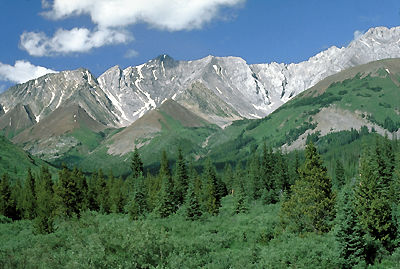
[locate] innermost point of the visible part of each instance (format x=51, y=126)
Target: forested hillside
x=275, y=210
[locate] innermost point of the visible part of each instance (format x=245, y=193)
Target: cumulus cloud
x=22, y=71
x=111, y=19
x=170, y=15
x=131, y=53
x=70, y=41
x=357, y=34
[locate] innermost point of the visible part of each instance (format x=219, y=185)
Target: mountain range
x=71, y=113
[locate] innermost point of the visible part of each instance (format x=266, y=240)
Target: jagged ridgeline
x=75, y=118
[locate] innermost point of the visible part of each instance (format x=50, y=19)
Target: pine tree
x=181, y=179
x=167, y=204
x=267, y=168
x=29, y=206
x=92, y=193
x=339, y=174
x=311, y=204
x=7, y=204
x=373, y=205
x=137, y=206
x=212, y=197
x=137, y=164
x=192, y=202
x=349, y=234
x=281, y=175
x=228, y=178
x=117, y=198
x=66, y=194
x=44, y=222
x=254, y=185
x=102, y=193
x=241, y=199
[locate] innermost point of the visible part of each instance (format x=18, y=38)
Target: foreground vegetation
x=273, y=210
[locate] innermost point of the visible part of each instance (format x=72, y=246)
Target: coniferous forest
x=271, y=210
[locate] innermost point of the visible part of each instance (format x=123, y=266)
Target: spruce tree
x=180, y=179
x=373, y=206
x=137, y=206
x=66, y=194
x=311, y=204
x=29, y=205
x=212, y=197
x=117, y=198
x=102, y=193
x=167, y=203
x=349, y=233
x=254, y=185
x=44, y=222
x=339, y=174
x=192, y=202
x=137, y=164
x=92, y=193
x=241, y=199
x=7, y=204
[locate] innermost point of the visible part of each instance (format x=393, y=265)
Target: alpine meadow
x=211, y=162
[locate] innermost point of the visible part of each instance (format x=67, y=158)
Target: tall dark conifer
x=181, y=178
x=137, y=164
x=349, y=233
x=29, y=201
x=311, y=204
x=44, y=222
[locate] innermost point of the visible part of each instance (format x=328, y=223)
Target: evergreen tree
x=92, y=193
x=339, y=174
x=192, y=202
x=349, y=234
x=7, y=204
x=102, y=193
x=373, y=205
x=212, y=197
x=228, y=178
x=66, y=194
x=311, y=204
x=241, y=199
x=117, y=198
x=167, y=204
x=281, y=175
x=29, y=206
x=254, y=185
x=82, y=189
x=137, y=164
x=267, y=168
x=137, y=205
x=181, y=179
x=44, y=222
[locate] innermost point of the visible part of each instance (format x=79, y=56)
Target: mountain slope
x=246, y=91
x=47, y=93
x=15, y=162
x=367, y=95
x=16, y=120
x=59, y=131
x=231, y=88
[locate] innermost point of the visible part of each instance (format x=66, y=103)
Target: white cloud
x=173, y=15
x=111, y=18
x=357, y=34
x=70, y=41
x=131, y=53
x=22, y=71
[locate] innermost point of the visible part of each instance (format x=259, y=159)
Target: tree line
x=363, y=211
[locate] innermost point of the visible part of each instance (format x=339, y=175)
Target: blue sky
x=133, y=33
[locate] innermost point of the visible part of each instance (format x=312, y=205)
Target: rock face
x=219, y=89
x=16, y=119
x=223, y=89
